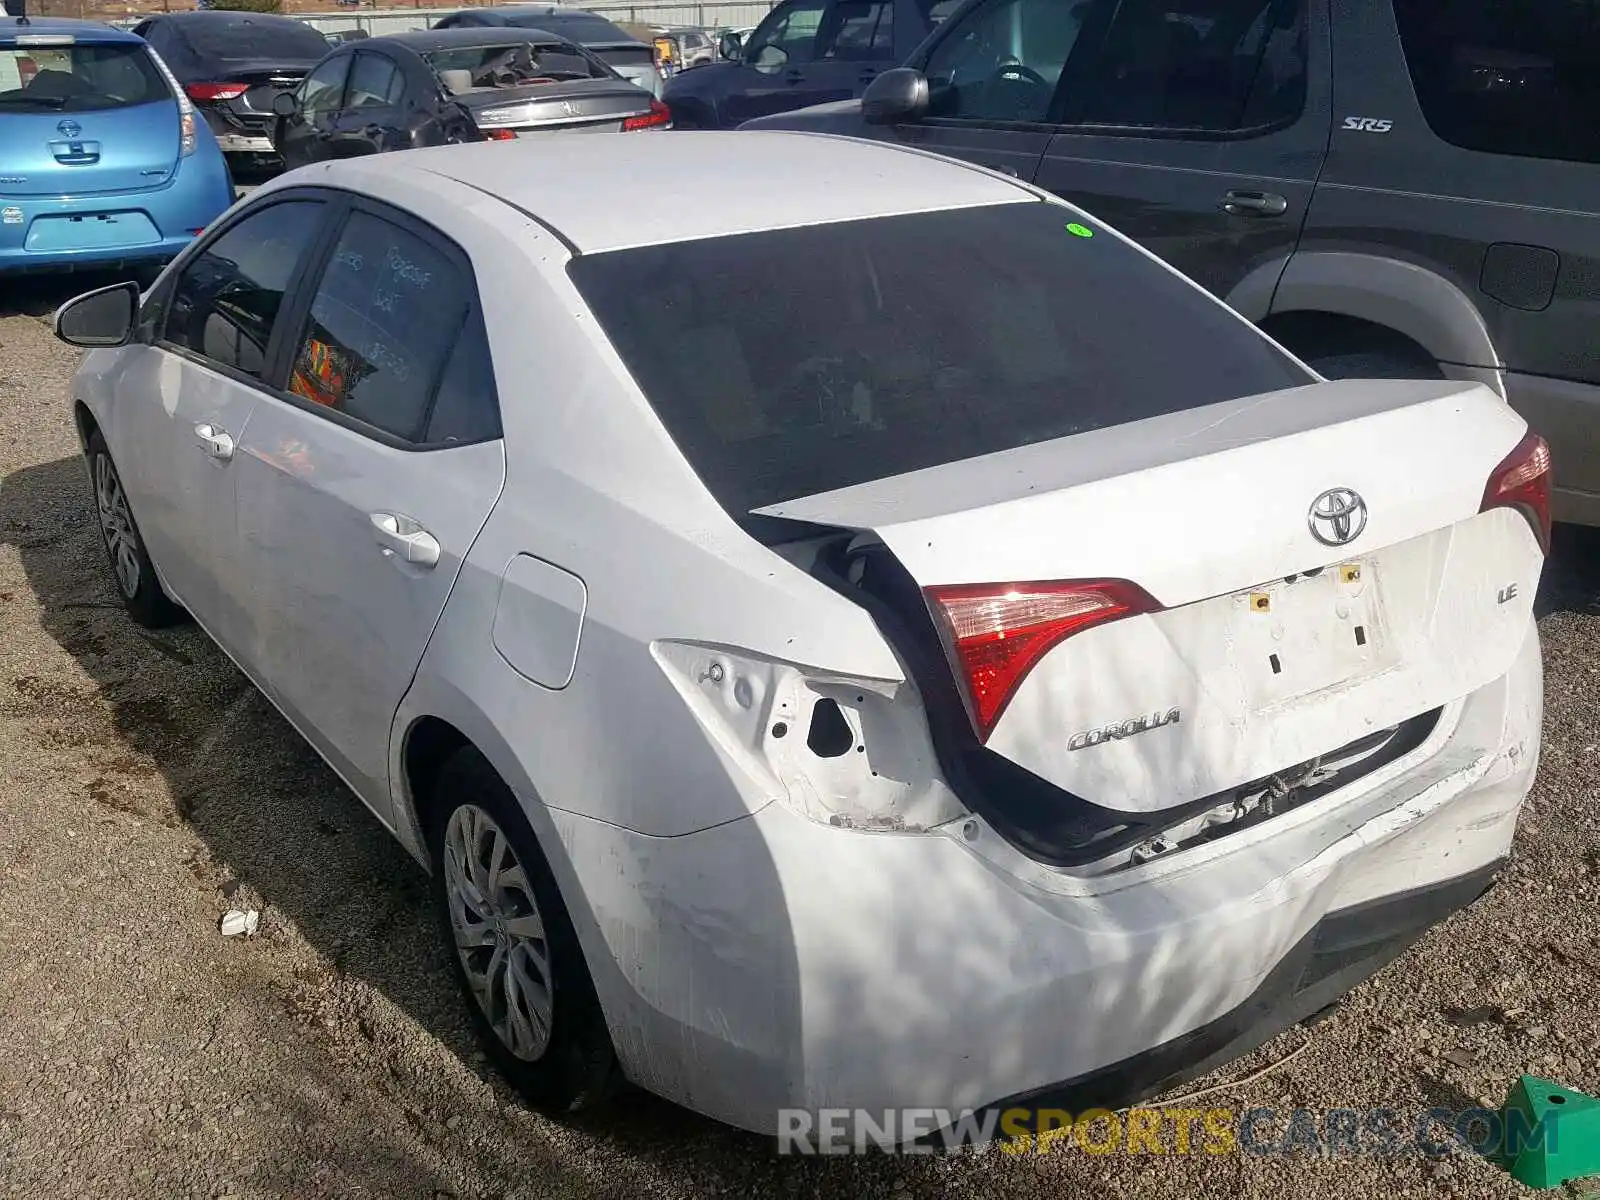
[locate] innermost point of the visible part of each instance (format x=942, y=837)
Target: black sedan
x=438, y=86
x=233, y=65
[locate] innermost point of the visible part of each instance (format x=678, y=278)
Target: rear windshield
x=78, y=78
x=796, y=361
x=584, y=28
x=245, y=38
x=514, y=64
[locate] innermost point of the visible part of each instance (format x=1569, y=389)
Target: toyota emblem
x=1337, y=516
x=69, y=129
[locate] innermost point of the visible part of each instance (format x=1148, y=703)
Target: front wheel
x=517, y=956
x=141, y=591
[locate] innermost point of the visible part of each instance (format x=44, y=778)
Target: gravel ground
x=145, y=787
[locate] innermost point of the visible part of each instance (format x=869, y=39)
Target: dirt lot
x=145, y=788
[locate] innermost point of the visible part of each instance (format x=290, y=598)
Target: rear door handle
x=403, y=538
x=1254, y=204
x=794, y=76
x=214, y=441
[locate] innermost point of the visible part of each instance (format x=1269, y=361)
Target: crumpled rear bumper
x=777, y=962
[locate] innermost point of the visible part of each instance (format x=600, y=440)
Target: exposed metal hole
x=780, y=729
x=830, y=734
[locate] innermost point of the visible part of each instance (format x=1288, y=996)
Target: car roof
x=518, y=14
x=588, y=189
x=422, y=40
x=10, y=27
x=215, y=16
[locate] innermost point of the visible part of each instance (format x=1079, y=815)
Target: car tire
x=1374, y=364
x=131, y=568
x=567, y=1063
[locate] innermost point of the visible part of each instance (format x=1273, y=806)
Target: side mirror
x=103, y=317
x=895, y=96
x=730, y=46
x=285, y=105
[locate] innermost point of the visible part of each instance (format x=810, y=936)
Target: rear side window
x=226, y=301
x=858, y=30
x=1212, y=65
x=388, y=309
x=78, y=78
x=1518, y=79
x=796, y=361
x=247, y=38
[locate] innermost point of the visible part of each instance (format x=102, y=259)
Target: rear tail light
x=500, y=135
x=216, y=91
x=659, y=117
x=186, y=134
x=996, y=632
x=1522, y=482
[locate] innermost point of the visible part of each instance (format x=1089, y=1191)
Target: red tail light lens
x=996, y=632
x=1522, y=482
x=216, y=91
x=659, y=117
x=500, y=135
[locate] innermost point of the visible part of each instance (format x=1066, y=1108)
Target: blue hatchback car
x=102, y=158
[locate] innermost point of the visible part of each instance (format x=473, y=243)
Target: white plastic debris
x=238, y=922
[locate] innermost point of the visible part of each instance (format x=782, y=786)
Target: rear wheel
x=516, y=955
x=135, y=575
x=1342, y=348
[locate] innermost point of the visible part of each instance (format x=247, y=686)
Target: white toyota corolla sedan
x=851, y=632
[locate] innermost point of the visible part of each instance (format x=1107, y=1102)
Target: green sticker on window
x=1080, y=230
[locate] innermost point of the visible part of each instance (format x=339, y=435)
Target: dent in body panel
x=848, y=751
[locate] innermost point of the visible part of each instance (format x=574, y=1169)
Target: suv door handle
x=215, y=442
x=403, y=538
x=1254, y=204
x=794, y=76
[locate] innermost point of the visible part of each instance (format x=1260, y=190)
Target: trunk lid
x=589, y=104
x=1269, y=648
x=45, y=153
x=263, y=82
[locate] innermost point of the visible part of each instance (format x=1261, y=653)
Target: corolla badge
x=1337, y=516
x=69, y=129
x=1122, y=729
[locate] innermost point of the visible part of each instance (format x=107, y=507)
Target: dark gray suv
x=1390, y=187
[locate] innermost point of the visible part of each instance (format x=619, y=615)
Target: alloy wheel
x=499, y=934
x=116, y=525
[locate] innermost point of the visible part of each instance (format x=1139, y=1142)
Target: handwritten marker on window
x=1079, y=230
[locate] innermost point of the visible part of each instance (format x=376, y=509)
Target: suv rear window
x=78, y=78
x=262, y=37
x=796, y=361
x=1518, y=79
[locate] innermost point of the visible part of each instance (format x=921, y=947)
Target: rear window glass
x=583, y=28
x=78, y=78
x=791, y=362
x=512, y=65
x=244, y=38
